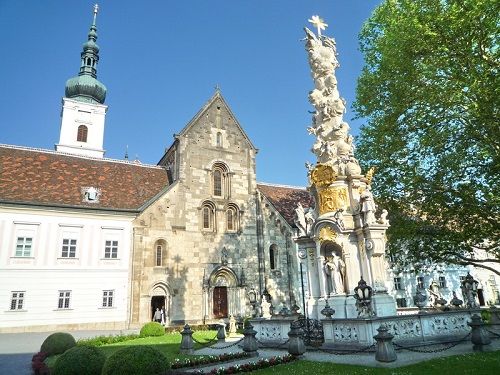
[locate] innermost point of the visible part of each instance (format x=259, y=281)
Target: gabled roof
x=216, y=96
x=43, y=177
x=285, y=198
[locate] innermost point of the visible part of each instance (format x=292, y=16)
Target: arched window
x=220, y=181
x=232, y=218
x=208, y=216
x=159, y=255
x=219, y=139
x=273, y=256
x=89, y=62
x=82, y=133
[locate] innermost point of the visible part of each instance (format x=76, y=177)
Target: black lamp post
x=363, y=295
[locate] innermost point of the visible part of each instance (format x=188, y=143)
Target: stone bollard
x=479, y=336
x=250, y=342
x=187, y=343
x=385, y=348
x=296, y=345
x=221, y=332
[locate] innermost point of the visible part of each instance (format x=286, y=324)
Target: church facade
x=96, y=243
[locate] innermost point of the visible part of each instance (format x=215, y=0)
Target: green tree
x=430, y=93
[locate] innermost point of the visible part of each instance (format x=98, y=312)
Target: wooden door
x=220, y=302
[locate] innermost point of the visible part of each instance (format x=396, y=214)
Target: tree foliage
x=430, y=92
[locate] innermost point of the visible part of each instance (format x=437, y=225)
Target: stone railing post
x=250, y=342
x=385, y=348
x=296, y=345
x=187, y=343
x=479, y=336
x=221, y=332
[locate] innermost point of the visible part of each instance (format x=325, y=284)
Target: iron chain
x=228, y=346
x=346, y=352
x=266, y=346
x=448, y=346
x=205, y=344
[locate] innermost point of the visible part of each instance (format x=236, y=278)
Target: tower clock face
x=302, y=254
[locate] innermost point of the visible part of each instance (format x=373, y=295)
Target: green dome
x=85, y=88
x=90, y=44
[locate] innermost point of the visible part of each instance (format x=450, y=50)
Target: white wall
x=42, y=275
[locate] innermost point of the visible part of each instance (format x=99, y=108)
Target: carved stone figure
x=265, y=308
x=310, y=217
x=339, y=218
x=368, y=207
x=435, y=296
x=300, y=220
x=383, y=218
x=335, y=268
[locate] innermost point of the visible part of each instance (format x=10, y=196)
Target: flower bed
x=248, y=367
x=38, y=365
x=206, y=360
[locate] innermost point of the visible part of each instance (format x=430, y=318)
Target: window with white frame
x=25, y=236
x=420, y=282
x=111, y=249
x=442, y=282
x=17, y=300
x=107, y=298
x=68, y=248
x=24, y=246
x=64, y=299
x=397, y=283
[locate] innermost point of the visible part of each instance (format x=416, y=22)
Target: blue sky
x=160, y=61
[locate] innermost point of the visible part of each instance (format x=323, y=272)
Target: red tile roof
x=51, y=178
x=285, y=199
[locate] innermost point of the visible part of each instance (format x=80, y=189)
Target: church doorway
x=220, y=302
x=157, y=302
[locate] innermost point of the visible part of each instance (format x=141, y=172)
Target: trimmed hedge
x=81, y=360
x=105, y=340
x=152, y=329
x=58, y=343
x=136, y=360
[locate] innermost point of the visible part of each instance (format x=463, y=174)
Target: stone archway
x=222, y=297
x=160, y=297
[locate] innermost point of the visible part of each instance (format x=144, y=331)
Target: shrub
x=81, y=360
x=152, y=329
x=105, y=340
x=58, y=343
x=136, y=360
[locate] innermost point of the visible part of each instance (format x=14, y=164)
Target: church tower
x=83, y=112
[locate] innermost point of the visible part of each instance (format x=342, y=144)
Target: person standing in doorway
x=157, y=315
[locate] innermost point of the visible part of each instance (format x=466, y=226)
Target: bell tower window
x=82, y=133
x=220, y=181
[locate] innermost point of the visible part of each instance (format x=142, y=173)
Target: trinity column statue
x=343, y=238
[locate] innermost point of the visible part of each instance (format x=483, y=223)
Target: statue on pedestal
x=335, y=268
x=368, y=206
x=435, y=296
x=300, y=220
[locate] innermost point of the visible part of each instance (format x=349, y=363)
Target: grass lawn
x=475, y=363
